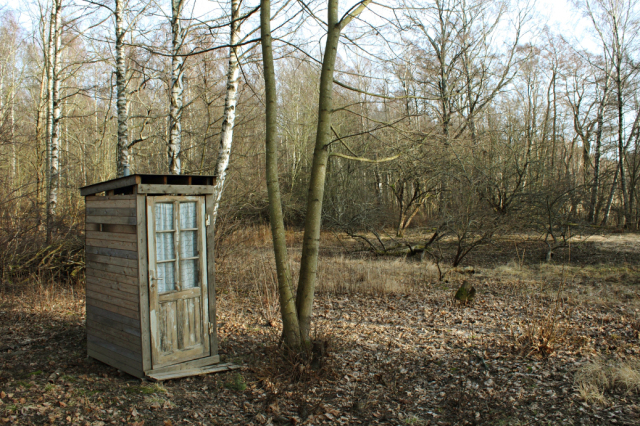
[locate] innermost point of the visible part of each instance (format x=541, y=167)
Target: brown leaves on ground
x=522, y=353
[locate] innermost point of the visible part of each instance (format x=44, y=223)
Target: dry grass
x=595, y=379
x=342, y=274
x=42, y=297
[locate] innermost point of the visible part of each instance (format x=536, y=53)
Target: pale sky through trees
x=561, y=17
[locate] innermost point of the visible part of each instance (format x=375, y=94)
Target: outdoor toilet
x=151, y=305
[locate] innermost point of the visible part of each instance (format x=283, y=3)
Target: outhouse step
x=196, y=371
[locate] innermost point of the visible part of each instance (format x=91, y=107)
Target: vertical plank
x=172, y=331
x=189, y=320
x=181, y=318
x=162, y=328
x=156, y=320
x=210, y=279
x=202, y=252
x=143, y=284
x=197, y=325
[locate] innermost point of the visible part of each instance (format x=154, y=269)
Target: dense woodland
x=488, y=118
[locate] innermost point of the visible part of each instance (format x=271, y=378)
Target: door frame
x=205, y=246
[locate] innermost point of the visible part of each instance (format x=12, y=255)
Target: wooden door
x=178, y=304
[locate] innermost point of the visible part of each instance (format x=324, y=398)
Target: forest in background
x=492, y=122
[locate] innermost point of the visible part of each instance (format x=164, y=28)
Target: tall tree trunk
x=54, y=113
x=621, y=144
x=291, y=329
x=313, y=218
x=607, y=209
x=177, y=88
x=593, y=213
x=226, y=137
x=122, y=156
x=12, y=131
x=42, y=132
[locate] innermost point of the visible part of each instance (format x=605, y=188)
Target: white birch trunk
x=56, y=115
x=122, y=152
x=177, y=89
x=12, y=130
x=55, y=40
x=49, y=66
x=42, y=130
x=226, y=138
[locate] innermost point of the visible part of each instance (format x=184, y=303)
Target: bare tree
x=290, y=324
x=616, y=23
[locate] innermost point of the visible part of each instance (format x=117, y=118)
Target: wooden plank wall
x=113, y=294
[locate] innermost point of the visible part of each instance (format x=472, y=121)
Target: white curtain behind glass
x=165, y=248
x=188, y=245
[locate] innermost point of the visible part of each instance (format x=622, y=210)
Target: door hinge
x=211, y=328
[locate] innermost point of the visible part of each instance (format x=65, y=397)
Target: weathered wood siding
x=113, y=292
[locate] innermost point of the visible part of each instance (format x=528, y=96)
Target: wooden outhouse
x=151, y=307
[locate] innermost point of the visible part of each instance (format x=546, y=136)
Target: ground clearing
x=542, y=344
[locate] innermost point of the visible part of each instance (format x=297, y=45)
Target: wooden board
x=108, y=285
x=196, y=363
x=211, y=276
x=119, y=245
x=130, y=212
x=192, y=372
x=110, y=197
x=118, y=220
x=92, y=227
x=125, y=254
x=114, y=359
x=112, y=299
x=110, y=204
x=130, y=323
x=143, y=279
x=99, y=319
x=175, y=189
x=98, y=341
x=110, y=291
x=101, y=203
x=110, y=228
x=116, y=337
x=112, y=236
x=114, y=269
x=113, y=308
x=118, y=278
x=129, y=263
x=123, y=229
x=110, y=185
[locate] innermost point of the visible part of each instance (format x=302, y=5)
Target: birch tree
x=178, y=34
x=230, y=102
x=54, y=111
x=122, y=102
x=126, y=20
